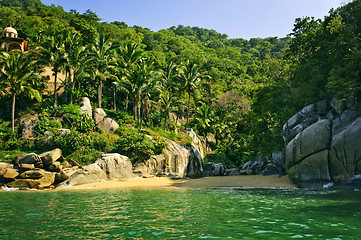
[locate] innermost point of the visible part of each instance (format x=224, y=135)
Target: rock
x=258, y=166
x=27, y=124
x=4, y=166
x=24, y=184
x=115, y=166
x=231, y=172
x=46, y=181
x=346, y=152
x=102, y=121
x=314, y=139
x=86, y=107
x=73, y=162
x=55, y=167
x=337, y=105
x=10, y=173
x=300, y=121
x=196, y=143
x=214, y=169
x=88, y=174
x=65, y=164
x=247, y=165
x=270, y=169
x=50, y=157
x=33, y=174
x=278, y=158
x=25, y=166
x=31, y=158
x=245, y=172
x=312, y=171
x=98, y=115
x=108, y=167
x=17, y=159
x=61, y=177
x=322, y=107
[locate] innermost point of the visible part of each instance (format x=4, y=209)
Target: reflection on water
x=181, y=213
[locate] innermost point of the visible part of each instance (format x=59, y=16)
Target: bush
x=138, y=147
x=100, y=142
x=121, y=117
x=68, y=142
x=74, y=118
x=85, y=155
x=44, y=124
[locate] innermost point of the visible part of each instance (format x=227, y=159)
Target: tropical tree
x=17, y=76
x=166, y=103
x=52, y=53
x=190, y=78
x=101, y=54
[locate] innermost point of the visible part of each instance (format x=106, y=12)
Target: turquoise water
x=181, y=214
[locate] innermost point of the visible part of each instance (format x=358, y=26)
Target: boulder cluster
x=37, y=171
x=323, y=144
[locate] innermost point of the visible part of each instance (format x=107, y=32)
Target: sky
x=237, y=18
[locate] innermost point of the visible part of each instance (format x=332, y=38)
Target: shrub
x=74, y=118
x=68, y=142
x=138, y=147
x=44, y=124
x=85, y=155
x=100, y=142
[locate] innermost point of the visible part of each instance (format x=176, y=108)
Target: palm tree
x=190, y=78
x=17, y=75
x=127, y=55
x=203, y=119
x=166, y=103
x=52, y=54
x=141, y=83
x=101, y=56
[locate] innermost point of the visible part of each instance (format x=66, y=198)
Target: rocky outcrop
x=27, y=124
x=86, y=106
x=34, y=171
x=108, y=167
x=322, y=146
x=102, y=121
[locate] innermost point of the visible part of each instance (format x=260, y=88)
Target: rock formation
x=322, y=144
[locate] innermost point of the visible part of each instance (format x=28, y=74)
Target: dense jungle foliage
x=237, y=93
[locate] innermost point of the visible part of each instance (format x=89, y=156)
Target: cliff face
x=323, y=144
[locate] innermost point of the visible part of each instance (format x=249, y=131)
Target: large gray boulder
x=27, y=124
x=86, y=107
x=346, y=152
x=314, y=139
x=312, y=171
x=108, y=167
x=31, y=158
x=115, y=166
x=48, y=158
x=102, y=121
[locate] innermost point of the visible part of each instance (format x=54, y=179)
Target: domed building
x=11, y=40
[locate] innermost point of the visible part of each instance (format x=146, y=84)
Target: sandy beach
x=251, y=181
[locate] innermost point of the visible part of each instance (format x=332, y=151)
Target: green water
x=181, y=214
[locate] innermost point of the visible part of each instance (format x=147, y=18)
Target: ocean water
x=174, y=213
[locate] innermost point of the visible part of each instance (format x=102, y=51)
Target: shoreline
x=243, y=181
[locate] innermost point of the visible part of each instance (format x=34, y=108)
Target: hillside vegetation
x=237, y=93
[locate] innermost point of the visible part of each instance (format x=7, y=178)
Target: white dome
x=10, y=32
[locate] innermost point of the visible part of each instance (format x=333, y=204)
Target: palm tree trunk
x=100, y=94
x=126, y=102
x=135, y=110
x=72, y=91
x=165, y=120
x=114, y=100
x=188, y=110
x=139, y=117
x=13, y=114
x=66, y=86
x=55, y=87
